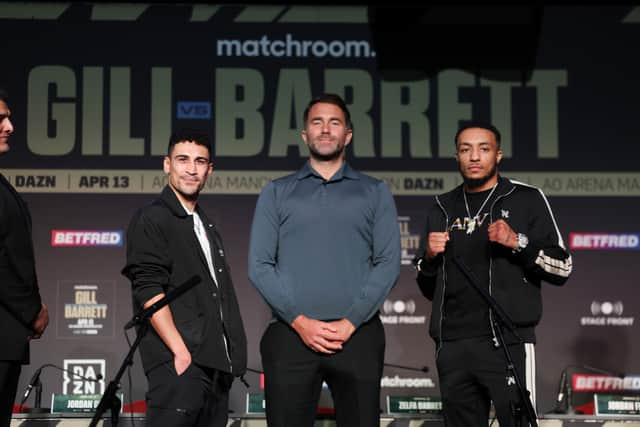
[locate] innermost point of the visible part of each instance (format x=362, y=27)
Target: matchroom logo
x=82, y=238
x=603, y=241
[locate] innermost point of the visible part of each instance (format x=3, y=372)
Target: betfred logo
x=604, y=383
x=595, y=241
x=71, y=238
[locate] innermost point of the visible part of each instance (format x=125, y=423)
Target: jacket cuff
x=427, y=267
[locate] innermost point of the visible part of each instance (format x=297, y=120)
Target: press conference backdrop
x=97, y=89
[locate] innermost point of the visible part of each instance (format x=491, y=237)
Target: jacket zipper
x=493, y=331
x=219, y=289
x=224, y=338
x=444, y=282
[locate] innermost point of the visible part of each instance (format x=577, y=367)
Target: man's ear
x=349, y=137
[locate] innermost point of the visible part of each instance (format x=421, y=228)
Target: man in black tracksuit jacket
x=511, y=244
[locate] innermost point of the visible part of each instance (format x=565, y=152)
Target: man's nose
x=8, y=125
x=192, y=167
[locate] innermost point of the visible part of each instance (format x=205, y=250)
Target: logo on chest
x=468, y=224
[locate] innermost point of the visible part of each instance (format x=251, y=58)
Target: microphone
x=564, y=387
x=34, y=382
x=170, y=296
x=424, y=369
x=560, y=400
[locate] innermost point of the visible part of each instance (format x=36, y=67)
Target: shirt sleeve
x=385, y=259
x=263, y=253
x=148, y=263
x=427, y=274
x=545, y=256
x=21, y=298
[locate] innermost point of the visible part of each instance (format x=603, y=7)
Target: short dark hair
x=329, y=98
x=482, y=125
x=3, y=95
x=192, y=135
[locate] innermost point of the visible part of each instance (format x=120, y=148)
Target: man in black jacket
x=22, y=314
x=505, y=232
x=197, y=344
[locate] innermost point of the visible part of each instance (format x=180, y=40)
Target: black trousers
x=294, y=375
x=9, y=375
x=473, y=373
x=198, y=397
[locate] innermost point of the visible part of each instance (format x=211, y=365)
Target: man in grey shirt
x=324, y=254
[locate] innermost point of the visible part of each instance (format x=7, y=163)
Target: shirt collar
x=169, y=198
x=345, y=171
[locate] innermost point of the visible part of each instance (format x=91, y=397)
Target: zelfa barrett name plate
x=414, y=405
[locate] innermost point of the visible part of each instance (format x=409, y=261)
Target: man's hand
x=41, y=322
x=436, y=243
x=162, y=322
x=501, y=232
x=344, y=329
x=317, y=335
x=182, y=361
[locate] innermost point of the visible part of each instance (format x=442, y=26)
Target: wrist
x=298, y=322
x=521, y=242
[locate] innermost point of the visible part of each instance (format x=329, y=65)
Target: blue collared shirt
x=328, y=249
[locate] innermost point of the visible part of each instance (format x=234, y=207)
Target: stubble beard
x=326, y=157
x=473, y=183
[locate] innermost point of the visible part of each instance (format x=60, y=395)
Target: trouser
x=198, y=397
x=9, y=375
x=473, y=373
x=294, y=375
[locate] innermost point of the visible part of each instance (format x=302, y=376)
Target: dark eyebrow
x=469, y=143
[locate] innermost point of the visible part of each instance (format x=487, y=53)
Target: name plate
x=65, y=403
x=414, y=405
x=255, y=403
x=617, y=404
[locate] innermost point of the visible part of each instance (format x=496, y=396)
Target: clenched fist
x=501, y=232
x=436, y=243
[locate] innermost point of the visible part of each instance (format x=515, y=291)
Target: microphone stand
x=501, y=319
x=109, y=399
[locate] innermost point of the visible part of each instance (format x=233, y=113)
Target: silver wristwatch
x=523, y=241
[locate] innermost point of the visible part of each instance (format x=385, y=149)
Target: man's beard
x=473, y=183
x=326, y=157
